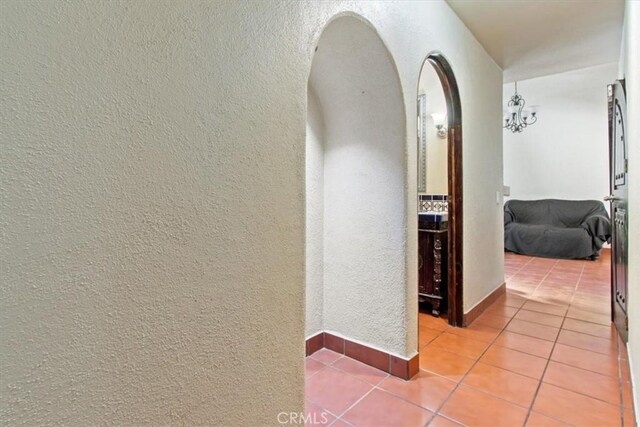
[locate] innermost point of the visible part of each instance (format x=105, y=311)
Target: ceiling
x=532, y=38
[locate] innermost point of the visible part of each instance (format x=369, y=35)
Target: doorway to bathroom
x=440, y=275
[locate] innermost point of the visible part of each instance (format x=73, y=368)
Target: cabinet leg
x=435, y=308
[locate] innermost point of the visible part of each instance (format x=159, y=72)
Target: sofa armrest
x=599, y=227
x=508, y=217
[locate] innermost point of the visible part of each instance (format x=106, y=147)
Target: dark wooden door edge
x=454, y=116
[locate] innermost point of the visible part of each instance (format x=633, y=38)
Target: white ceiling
x=532, y=38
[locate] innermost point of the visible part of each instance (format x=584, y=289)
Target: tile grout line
x=573, y=391
x=564, y=317
x=548, y=359
x=573, y=296
x=433, y=413
x=544, y=371
x=493, y=342
x=339, y=417
x=373, y=387
x=519, y=270
x=618, y=357
x=436, y=412
x=617, y=351
x=459, y=383
x=543, y=279
x=330, y=365
x=355, y=403
x=377, y=387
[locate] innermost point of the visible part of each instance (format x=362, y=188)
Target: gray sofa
x=572, y=229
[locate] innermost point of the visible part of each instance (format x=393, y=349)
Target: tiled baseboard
x=314, y=344
x=479, y=308
x=393, y=365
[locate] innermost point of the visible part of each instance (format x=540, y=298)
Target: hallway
x=543, y=355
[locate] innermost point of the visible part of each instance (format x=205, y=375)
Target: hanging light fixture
x=517, y=117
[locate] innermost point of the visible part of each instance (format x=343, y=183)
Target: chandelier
x=516, y=117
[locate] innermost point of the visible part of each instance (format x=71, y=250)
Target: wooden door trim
x=454, y=118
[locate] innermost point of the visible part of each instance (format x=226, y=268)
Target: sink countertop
x=432, y=216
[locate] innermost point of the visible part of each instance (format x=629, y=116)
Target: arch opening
x=450, y=129
x=355, y=190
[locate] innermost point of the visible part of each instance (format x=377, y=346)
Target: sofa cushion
x=548, y=241
x=556, y=228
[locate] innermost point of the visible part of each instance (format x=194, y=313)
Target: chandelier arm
x=534, y=118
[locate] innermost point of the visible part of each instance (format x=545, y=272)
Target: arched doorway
x=454, y=289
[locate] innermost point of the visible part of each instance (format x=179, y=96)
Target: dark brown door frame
x=454, y=118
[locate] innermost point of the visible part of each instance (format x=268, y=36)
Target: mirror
x=432, y=132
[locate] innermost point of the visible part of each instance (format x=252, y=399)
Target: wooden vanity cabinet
x=432, y=265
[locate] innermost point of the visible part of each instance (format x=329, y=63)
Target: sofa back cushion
x=557, y=213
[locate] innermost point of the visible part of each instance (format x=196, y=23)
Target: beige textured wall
x=437, y=158
x=152, y=213
x=152, y=206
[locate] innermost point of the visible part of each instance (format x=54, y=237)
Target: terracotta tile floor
x=545, y=354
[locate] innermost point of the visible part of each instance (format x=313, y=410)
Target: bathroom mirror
x=432, y=135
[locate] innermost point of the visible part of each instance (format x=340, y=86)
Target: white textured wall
x=631, y=73
x=153, y=201
x=565, y=155
x=429, y=26
x=364, y=216
x=314, y=161
x=483, y=228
